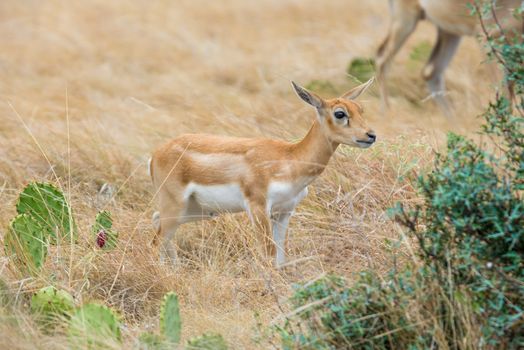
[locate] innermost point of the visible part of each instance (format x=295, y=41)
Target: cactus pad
x=170, y=322
x=151, y=341
x=52, y=305
x=26, y=240
x=361, y=69
x=48, y=205
x=209, y=341
x=95, y=326
x=105, y=237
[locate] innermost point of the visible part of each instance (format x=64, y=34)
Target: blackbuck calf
x=199, y=176
x=453, y=20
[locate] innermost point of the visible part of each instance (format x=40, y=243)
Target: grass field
x=88, y=89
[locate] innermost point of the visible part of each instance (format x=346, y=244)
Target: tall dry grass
x=88, y=89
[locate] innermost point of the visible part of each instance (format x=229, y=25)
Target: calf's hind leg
x=168, y=220
x=155, y=219
x=167, y=251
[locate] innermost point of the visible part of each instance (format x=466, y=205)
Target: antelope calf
x=199, y=176
x=453, y=20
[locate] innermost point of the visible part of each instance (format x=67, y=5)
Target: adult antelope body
x=453, y=20
x=198, y=176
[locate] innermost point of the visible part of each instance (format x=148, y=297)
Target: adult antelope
x=453, y=20
x=199, y=176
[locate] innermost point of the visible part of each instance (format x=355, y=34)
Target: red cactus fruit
x=101, y=238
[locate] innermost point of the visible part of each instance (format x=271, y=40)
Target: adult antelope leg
x=443, y=51
x=405, y=15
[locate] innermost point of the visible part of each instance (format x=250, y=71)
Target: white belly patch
x=284, y=196
x=213, y=199
x=206, y=201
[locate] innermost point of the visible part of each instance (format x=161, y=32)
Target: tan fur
x=252, y=163
x=453, y=20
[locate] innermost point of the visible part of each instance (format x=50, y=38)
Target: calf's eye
x=340, y=114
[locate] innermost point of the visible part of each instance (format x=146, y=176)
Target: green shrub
x=470, y=231
x=370, y=314
x=470, y=228
x=466, y=290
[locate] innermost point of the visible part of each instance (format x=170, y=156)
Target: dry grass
x=88, y=89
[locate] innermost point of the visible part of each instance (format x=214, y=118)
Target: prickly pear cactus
x=361, y=69
x=151, y=341
x=106, y=238
x=48, y=205
x=51, y=306
x=94, y=326
x=26, y=242
x=209, y=341
x=170, y=322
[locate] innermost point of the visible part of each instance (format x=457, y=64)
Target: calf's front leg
x=280, y=221
x=260, y=218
